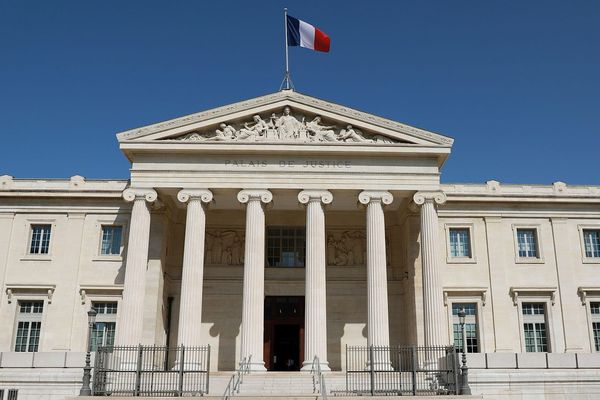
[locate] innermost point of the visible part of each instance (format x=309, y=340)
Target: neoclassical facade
x=285, y=227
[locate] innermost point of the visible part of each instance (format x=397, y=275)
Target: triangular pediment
x=285, y=116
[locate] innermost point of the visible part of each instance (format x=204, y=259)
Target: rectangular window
x=534, y=327
x=286, y=247
x=460, y=242
x=591, y=241
x=12, y=394
x=470, y=327
x=29, y=326
x=111, y=240
x=595, y=311
x=527, y=241
x=40, y=239
x=103, y=331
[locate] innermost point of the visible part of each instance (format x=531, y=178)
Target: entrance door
x=284, y=333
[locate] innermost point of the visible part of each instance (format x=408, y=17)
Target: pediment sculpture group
x=285, y=127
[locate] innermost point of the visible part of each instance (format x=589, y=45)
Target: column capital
x=203, y=195
x=367, y=196
x=263, y=195
x=324, y=196
x=421, y=198
x=131, y=194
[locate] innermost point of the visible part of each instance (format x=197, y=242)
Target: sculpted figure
x=287, y=125
x=227, y=132
x=382, y=139
x=193, y=137
x=253, y=132
x=272, y=133
x=351, y=135
x=321, y=133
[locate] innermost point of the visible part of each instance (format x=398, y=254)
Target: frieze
x=284, y=127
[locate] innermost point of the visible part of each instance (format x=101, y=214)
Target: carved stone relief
x=224, y=247
x=349, y=247
x=284, y=127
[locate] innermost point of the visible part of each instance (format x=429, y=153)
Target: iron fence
x=401, y=370
x=151, y=371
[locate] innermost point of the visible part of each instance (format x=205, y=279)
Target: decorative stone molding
x=44, y=290
x=203, y=195
x=421, y=198
x=104, y=290
x=508, y=192
x=246, y=195
x=480, y=292
x=76, y=182
x=367, y=196
x=132, y=194
x=546, y=291
x=6, y=182
x=323, y=196
x=584, y=292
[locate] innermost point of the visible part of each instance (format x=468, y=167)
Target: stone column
x=254, y=277
x=131, y=313
x=378, y=331
x=315, y=317
x=192, y=276
x=433, y=305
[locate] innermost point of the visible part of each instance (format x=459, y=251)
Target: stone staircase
x=278, y=384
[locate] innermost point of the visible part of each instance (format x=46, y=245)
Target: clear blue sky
x=516, y=83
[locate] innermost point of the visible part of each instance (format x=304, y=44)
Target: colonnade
x=130, y=332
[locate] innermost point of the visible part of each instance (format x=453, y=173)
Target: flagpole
x=287, y=65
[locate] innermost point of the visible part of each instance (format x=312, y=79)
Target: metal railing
x=318, y=378
x=236, y=380
x=151, y=371
x=401, y=370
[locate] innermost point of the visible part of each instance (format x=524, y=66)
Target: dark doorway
x=284, y=333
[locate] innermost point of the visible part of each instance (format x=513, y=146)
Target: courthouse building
x=286, y=227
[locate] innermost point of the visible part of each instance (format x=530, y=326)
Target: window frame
x=588, y=296
x=121, y=246
x=17, y=319
x=581, y=229
x=549, y=321
x=294, y=227
x=106, y=318
x=29, y=224
x=97, y=294
x=466, y=295
x=117, y=220
x=539, y=247
x=460, y=260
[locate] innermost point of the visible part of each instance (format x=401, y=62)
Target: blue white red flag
x=305, y=35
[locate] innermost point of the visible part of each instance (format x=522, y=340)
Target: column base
x=257, y=367
x=308, y=366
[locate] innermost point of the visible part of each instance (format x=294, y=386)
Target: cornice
x=76, y=186
x=495, y=191
x=281, y=96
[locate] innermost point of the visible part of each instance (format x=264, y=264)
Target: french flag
x=303, y=34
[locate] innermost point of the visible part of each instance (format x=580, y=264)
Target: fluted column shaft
x=131, y=313
x=378, y=332
x=254, y=277
x=433, y=305
x=315, y=317
x=192, y=276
